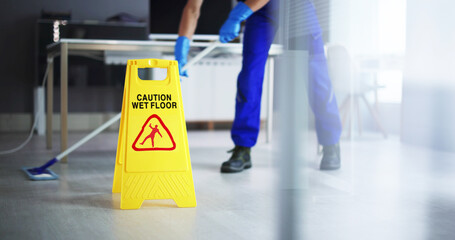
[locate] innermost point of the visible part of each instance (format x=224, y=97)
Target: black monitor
x=164, y=16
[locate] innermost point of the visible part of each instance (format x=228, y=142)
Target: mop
x=44, y=173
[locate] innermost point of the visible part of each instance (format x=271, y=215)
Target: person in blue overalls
x=260, y=28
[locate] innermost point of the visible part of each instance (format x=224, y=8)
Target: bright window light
x=392, y=42
x=391, y=82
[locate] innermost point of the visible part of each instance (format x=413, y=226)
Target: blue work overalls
x=260, y=29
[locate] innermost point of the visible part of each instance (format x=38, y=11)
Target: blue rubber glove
x=231, y=26
x=182, y=46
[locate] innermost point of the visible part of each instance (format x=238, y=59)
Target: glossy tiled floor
x=385, y=190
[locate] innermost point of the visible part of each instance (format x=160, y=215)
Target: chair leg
x=343, y=105
x=344, y=109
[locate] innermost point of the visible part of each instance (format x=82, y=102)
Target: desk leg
x=64, y=99
x=50, y=103
x=270, y=76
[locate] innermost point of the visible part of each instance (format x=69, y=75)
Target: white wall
x=428, y=114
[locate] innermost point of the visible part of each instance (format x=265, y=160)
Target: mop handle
x=89, y=136
x=200, y=55
x=101, y=128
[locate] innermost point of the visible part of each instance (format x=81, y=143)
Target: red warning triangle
x=154, y=135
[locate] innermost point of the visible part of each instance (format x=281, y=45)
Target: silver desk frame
x=66, y=47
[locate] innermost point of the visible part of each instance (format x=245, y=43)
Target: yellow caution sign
x=153, y=159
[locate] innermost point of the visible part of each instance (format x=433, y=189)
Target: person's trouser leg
x=323, y=101
x=258, y=37
x=320, y=91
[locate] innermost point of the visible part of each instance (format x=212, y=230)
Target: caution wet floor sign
x=153, y=160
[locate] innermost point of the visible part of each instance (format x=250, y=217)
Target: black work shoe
x=331, y=157
x=239, y=160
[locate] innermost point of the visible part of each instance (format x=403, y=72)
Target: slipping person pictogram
x=152, y=135
x=166, y=143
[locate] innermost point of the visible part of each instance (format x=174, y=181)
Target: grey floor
x=385, y=190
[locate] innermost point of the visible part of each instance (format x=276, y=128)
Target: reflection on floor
x=385, y=190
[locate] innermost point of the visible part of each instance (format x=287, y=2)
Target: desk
x=66, y=47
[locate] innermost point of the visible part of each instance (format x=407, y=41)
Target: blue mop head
x=41, y=173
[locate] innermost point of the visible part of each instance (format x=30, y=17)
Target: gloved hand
x=231, y=26
x=182, y=46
